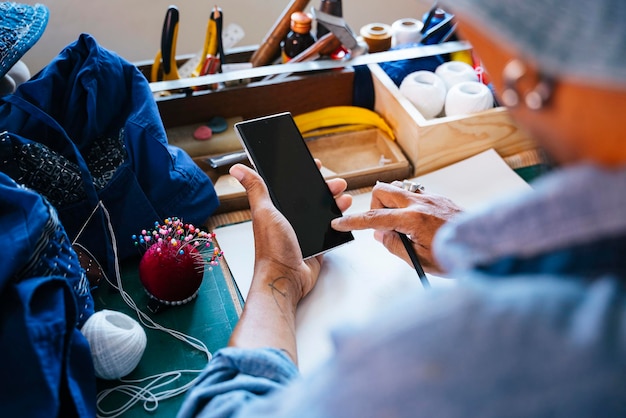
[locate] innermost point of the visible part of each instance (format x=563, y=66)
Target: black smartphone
x=278, y=152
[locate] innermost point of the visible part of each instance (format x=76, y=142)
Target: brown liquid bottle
x=299, y=38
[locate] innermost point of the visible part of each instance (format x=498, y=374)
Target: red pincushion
x=170, y=276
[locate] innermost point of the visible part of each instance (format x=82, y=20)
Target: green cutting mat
x=210, y=317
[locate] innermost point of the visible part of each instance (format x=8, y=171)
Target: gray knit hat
x=585, y=39
x=21, y=25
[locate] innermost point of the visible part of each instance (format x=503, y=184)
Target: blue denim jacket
x=86, y=128
x=45, y=362
x=536, y=326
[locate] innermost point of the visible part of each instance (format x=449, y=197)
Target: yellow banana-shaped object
x=338, y=116
x=333, y=130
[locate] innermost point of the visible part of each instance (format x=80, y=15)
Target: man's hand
x=281, y=277
x=418, y=215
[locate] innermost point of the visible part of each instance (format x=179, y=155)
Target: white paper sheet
x=360, y=277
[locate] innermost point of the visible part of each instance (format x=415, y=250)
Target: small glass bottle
x=299, y=38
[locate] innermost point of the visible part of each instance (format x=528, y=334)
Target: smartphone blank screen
x=297, y=188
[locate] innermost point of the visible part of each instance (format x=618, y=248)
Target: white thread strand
x=149, y=395
x=82, y=228
x=145, y=394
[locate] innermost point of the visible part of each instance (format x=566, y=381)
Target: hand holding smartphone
x=278, y=152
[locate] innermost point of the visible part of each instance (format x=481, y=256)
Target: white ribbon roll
x=468, y=97
x=426, y=91
x=406, y=31
x=454, y=72
x=117, y=343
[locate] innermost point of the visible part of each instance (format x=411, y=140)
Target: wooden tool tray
x=431, y=144
x=361, y=158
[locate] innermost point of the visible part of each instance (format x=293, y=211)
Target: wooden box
x=361, y=157
x=422, y=145
x=434, y=143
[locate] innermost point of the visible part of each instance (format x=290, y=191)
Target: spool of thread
x=468, y=97
x=377, y=36
x=117, y=343
x=426, y=90
x=406, y=31
x=454, y=72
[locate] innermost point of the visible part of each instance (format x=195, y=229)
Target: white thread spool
x=468, y=97
x=426, y=90
x=406, y=31
x=117, y=343
x=454, y=72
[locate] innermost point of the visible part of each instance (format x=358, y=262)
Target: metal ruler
x=299, y=67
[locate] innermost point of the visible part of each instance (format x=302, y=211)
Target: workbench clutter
x=291, y=37
x=436, y=27
x=171, y=270
x=175, y=257
x=355, y=126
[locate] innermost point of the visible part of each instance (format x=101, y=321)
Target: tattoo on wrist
x=286, y=311
x=272, y=285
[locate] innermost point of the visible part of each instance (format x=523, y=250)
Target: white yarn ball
x=455, y=72
x=406, y=31
x=117, y=343
x=468, y=97
x=426, y=90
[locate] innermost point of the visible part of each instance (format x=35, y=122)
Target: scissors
x=165, y=58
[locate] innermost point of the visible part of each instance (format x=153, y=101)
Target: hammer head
x=338, y=27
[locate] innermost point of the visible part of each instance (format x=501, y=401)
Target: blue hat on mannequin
x=21, y=26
